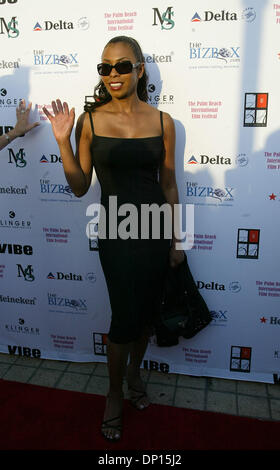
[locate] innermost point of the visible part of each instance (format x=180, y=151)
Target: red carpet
x=40, y=418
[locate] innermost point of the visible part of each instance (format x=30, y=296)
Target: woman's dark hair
x=101, y=95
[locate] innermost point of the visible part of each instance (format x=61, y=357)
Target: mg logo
x=165, y=18
x=9, y=28
x=26, y=273
x=18, y=158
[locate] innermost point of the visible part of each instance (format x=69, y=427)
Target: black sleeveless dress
x=134, y=268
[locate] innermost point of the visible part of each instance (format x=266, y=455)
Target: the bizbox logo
x=219, y=317
x=55, y=63
x=9, y=27
x=225, y=54
x=255, y=109
x=164, y=19
x=206, y=195
x=248, y=241
x=46, y=187
x=77, y=305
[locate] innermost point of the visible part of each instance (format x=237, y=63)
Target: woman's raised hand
x=63, y=120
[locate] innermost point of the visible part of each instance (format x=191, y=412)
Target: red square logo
x=253, y=236
x=245, y=353
x=262, y=100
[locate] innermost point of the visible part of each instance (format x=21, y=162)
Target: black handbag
x=182, y=309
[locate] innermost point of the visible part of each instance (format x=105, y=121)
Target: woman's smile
x=115, y=85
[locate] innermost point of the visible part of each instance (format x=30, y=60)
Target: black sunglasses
x=121, y=67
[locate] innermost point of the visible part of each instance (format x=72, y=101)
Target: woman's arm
x=77, y=169
x=168, y=183
x=22, y=125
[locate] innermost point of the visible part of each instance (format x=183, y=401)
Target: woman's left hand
x=22, y=125
x=175, y=256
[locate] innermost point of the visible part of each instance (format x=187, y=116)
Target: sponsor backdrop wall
x=214, y=67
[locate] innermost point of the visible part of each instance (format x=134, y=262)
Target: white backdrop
x=215, y=69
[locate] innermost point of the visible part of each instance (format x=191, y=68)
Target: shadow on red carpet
x=40, y=418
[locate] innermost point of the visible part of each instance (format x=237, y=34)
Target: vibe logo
x=17, y=158
x=24, y=351
x=16, y=249
x=154, y=365
x=165, y=19
x=9, y=28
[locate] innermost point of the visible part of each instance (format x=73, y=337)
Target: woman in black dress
x=131, y=146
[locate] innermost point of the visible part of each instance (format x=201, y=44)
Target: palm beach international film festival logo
x=178, y=221
x=240, y=359
x=164, y=19
x=248, y=241
x=255, y=109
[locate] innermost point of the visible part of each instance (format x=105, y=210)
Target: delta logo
x=37, y=27
x=209, y=16
x=248, y=15
x=192, y=161
x=49, y=25
x=196, y=18
x=52, y=159
x=64, y=276
x=204, y=159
